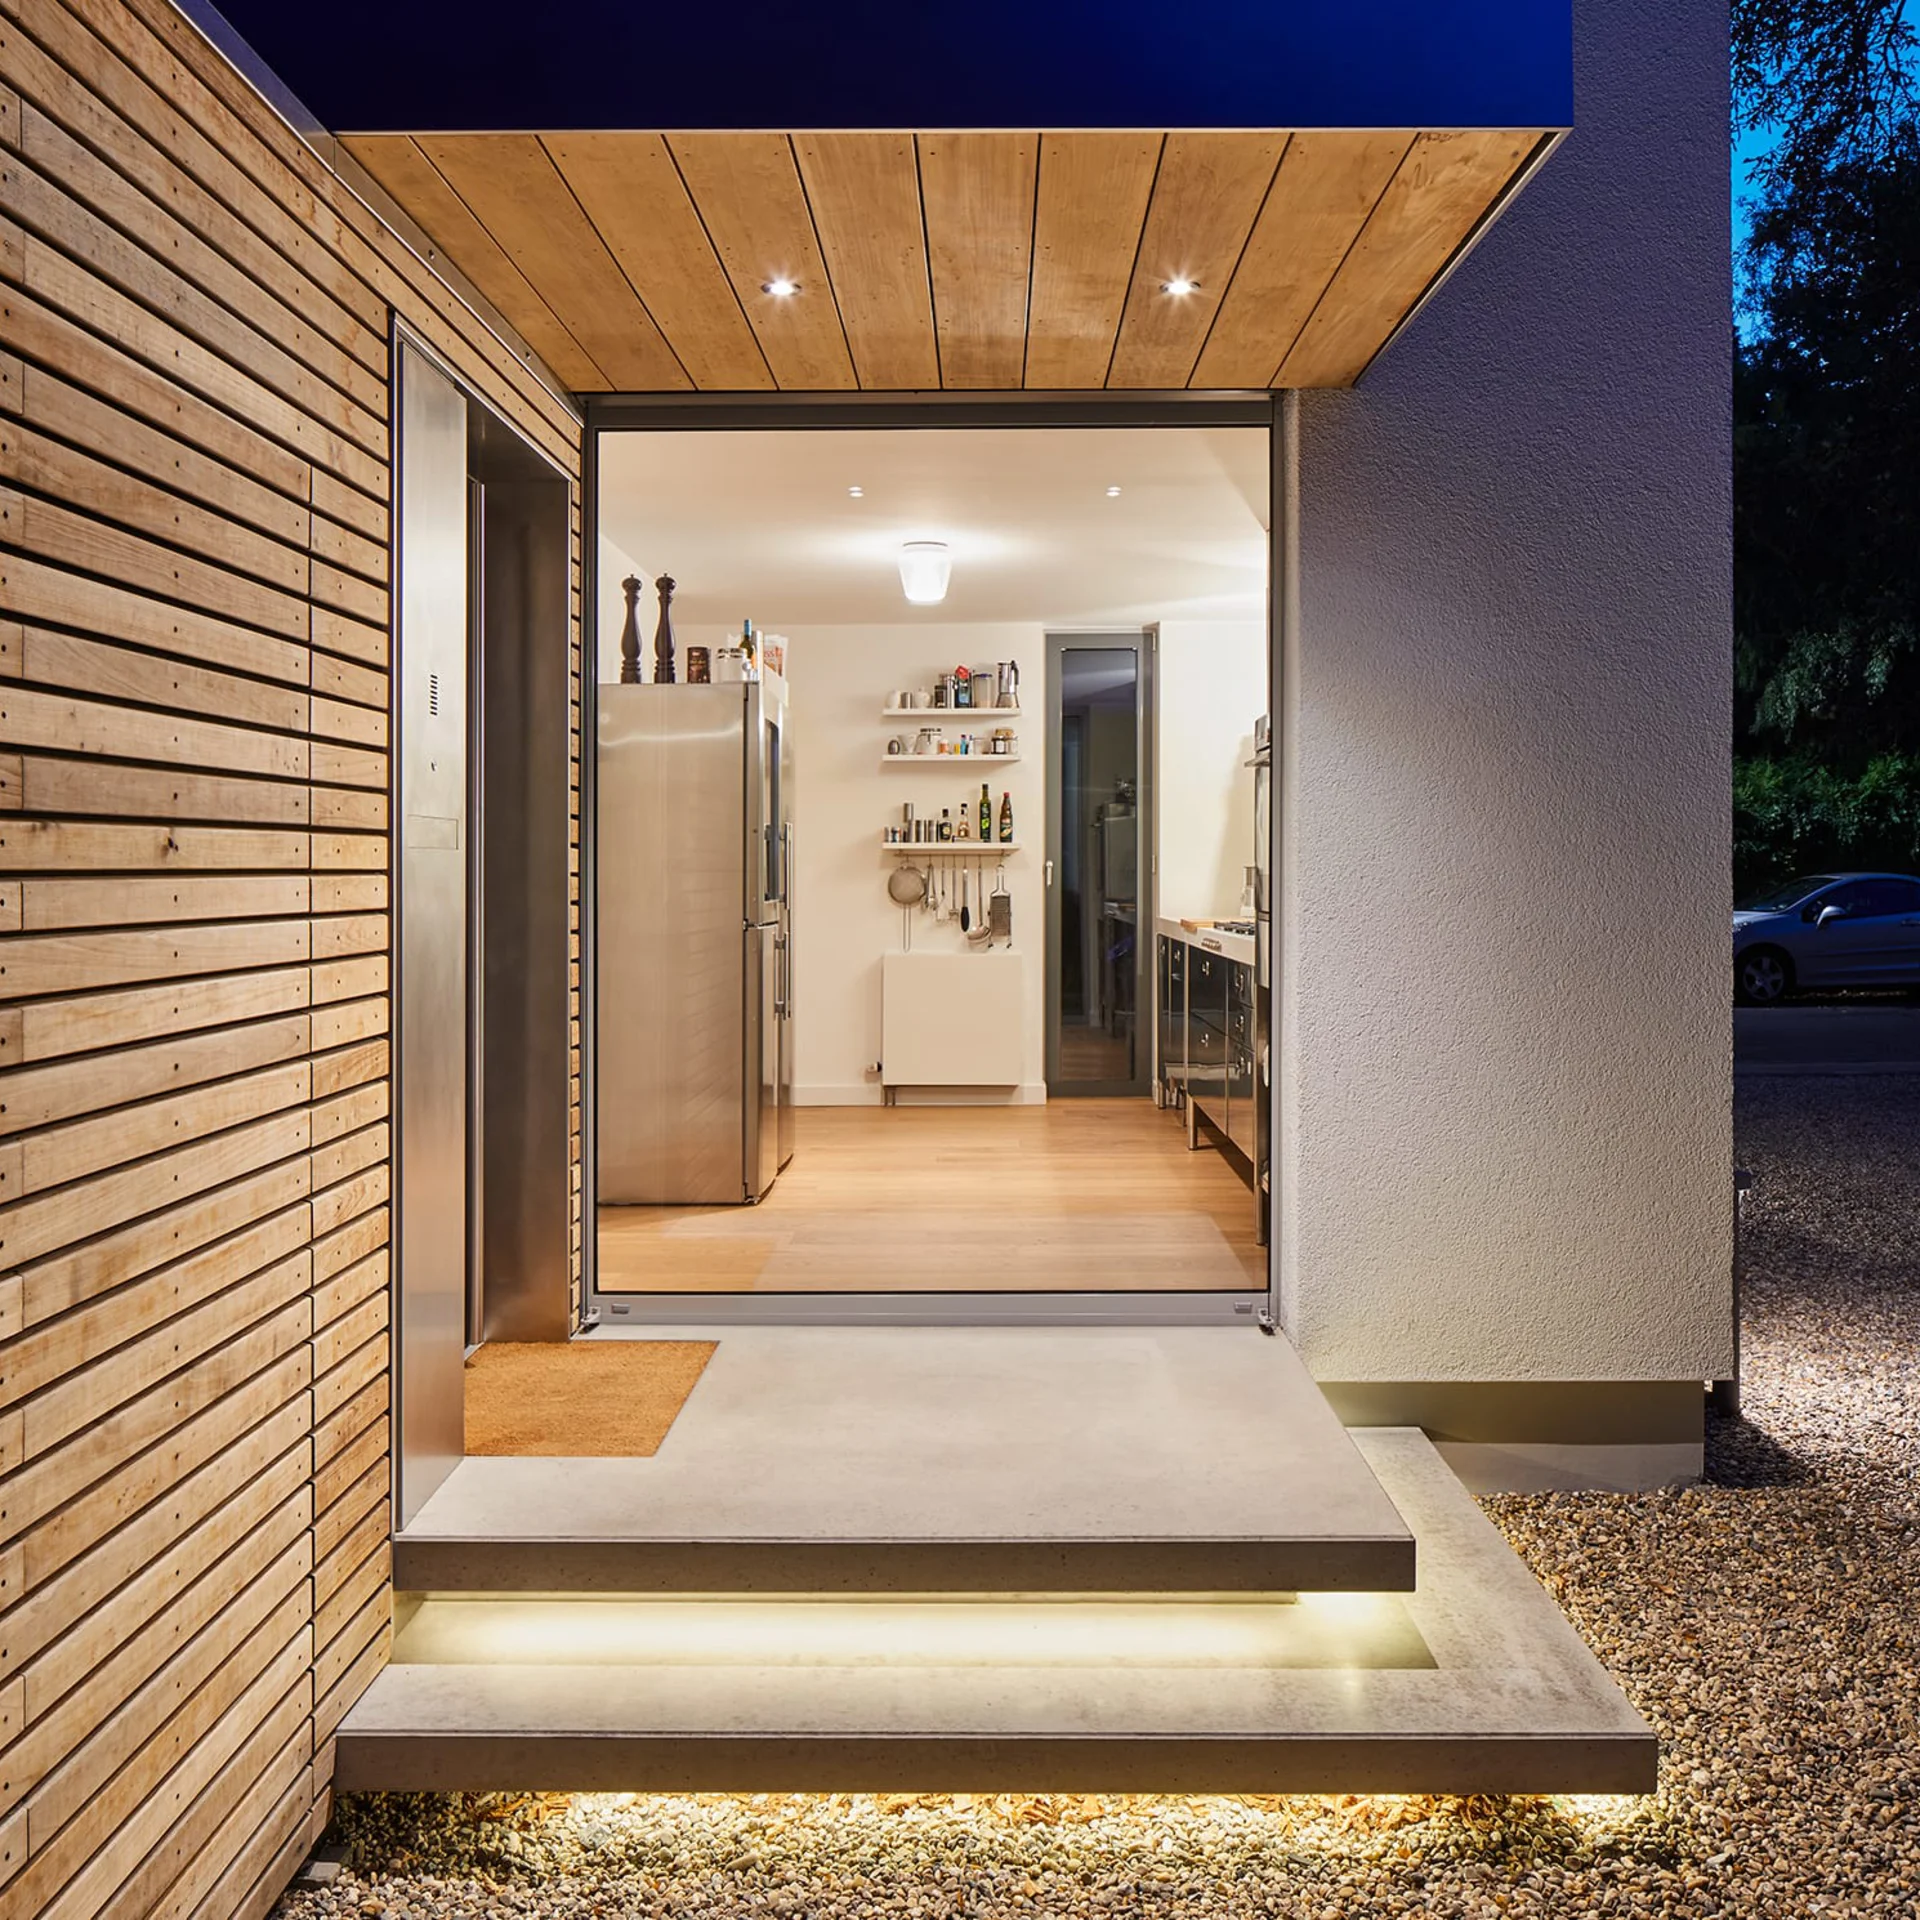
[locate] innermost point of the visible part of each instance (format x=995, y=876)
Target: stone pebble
x=1767, y=1622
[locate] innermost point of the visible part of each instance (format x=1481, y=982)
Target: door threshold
x=617, y=1314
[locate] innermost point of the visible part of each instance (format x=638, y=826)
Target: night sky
x=429, y=65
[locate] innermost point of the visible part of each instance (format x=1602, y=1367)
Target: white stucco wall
x=1505, y=1068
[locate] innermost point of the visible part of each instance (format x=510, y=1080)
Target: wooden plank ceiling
x=639, y=262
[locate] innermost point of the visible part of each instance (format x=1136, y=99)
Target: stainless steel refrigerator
x=693, y=919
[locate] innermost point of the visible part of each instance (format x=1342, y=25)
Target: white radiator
x=953, y=1019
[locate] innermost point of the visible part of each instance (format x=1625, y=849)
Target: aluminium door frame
x=615, y=1313
x=404, y=336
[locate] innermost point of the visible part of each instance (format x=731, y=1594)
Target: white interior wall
x=1210, y=684
x=844, y=923
x=1504, y=1095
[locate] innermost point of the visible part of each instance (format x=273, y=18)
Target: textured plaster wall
x=1505, y=1102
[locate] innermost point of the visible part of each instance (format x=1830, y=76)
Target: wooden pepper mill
x=630, y=633
x=663, y=633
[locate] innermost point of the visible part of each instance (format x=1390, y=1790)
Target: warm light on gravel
x=1768, y=1625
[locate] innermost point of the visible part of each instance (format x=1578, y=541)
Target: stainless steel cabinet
x=1212, y=1052
x=1170, y=996
x=1207, y=975
x=1223, y=1043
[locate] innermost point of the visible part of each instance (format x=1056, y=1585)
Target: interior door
x=1099, y=863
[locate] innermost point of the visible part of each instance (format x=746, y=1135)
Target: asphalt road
x=1878, y=1036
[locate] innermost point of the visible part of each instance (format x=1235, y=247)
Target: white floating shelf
x=968, y=760
x=951, y=849
x=938, y=716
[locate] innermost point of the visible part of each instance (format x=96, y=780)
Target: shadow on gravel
x=1739, y=1454
x=1873, y=1247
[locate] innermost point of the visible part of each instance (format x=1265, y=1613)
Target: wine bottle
x=946, y=823
x=986, y=812
x=1006, y=816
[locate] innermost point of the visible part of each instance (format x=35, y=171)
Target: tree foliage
x=1830, y=82
x=1827, y=440
x=1827, y=469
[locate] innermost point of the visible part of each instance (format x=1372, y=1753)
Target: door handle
x=1049, y=873
x=786, y=901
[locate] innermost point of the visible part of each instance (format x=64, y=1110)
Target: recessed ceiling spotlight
x=1113, y=493
x=1180, y=286
x=856, y=493
x=781, y=289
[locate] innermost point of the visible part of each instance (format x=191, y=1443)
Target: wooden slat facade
x=195, y=437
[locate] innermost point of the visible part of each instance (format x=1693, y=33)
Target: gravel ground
x=1768, y=1623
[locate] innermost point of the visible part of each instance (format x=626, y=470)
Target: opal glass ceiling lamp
x=925, y=568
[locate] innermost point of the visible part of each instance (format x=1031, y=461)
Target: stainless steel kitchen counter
x=1235, y=946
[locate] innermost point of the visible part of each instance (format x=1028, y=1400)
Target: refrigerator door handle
x=786, y=902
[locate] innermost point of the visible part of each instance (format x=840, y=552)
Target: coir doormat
x=581, y=1399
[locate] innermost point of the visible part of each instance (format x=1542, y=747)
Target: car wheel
x=1762, y=977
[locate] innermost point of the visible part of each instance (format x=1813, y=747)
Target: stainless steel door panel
x=766, y=721
x=431, y=1035
x=763, y=1057
x=672, y=1093
x=787, y=1123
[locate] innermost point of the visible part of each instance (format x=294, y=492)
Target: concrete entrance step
x=1472, y=1683
x=944, y=1460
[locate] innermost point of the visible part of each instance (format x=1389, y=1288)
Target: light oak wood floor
x=1074, y=1196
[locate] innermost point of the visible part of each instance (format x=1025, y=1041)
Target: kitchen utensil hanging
x=906, y=887
x=1000, y=909
x=966, y=918
x=980, y=934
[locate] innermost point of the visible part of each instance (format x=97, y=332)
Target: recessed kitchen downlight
x=780, y=289
x=856, y=493
x=1113, y=493
x=1180, y=286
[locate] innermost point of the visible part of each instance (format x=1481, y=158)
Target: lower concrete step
x=944, y=1460
x=1472, y=1683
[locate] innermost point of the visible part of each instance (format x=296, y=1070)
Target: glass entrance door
x=1099, y=863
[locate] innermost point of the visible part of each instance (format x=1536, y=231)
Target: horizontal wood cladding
x=196, y=320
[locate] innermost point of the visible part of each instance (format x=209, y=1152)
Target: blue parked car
x=1827, y=930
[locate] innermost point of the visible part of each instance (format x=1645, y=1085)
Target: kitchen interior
x=930, y=806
